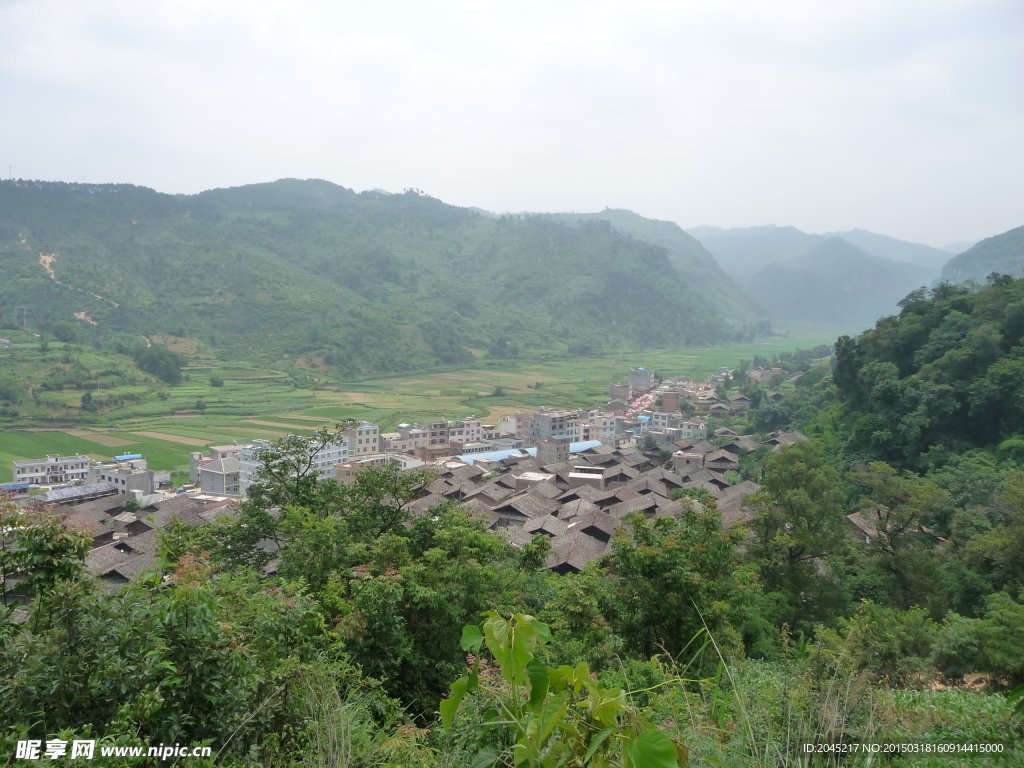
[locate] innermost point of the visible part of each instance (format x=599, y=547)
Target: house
x=53, y=469
x=364, y=438
x=221, y=477
x=739, y=402
x=721, y=461
x=775, y=397
x=620, y=391
x=642, y=380
x=5, y=342
x=719, y=410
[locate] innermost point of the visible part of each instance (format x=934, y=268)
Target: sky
x=905, y=118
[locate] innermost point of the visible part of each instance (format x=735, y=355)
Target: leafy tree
x=38, y=550
x=216, y=381
x=65, y=331
x=901, y=551
x=798, y=522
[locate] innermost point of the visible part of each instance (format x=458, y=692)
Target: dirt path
x=47, y=259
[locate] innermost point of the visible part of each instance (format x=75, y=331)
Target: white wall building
x=324, y=460
x=53, y=469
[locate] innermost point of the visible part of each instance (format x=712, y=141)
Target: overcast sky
x=905, y=118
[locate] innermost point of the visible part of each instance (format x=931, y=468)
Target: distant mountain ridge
x=1002, y=253
x=356, y=282
x=844, y=277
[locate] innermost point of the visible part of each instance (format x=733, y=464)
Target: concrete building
x=671, y=400
x=549, y=423
x=517, y=425
x=621, y=391
x=684, y=463
x=196, y=459
x=665, y=420
x=5, y=342
x=324, y=460
x=126, y=476
x=553, y=450
x=694, y=429
x=53, y=469
x=222, y=477
x=642, y=380
x=363, y=439
x=599, y=426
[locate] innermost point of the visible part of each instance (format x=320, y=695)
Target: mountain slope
x=932, y=259
x=685, y=253
x=834, y=282
x=1003, y=253
x=365, y=281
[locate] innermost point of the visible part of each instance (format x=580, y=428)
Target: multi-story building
x=671, y=400
x=620, y=391
x=517, y=425
x=53, y=469
x=324, y=460
x=128, y=475
x=665, y=420
x=549, y=423
x=196, y=459
x=437, y=432
x=406, y=440
x=599, y=426
x=694, y=429
x=222, y=477
x=642, y=380
x=552, y=450
x=363, y=439
x=470, y=430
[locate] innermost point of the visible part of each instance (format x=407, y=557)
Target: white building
x=556, y=424
x=53, y=469
x=363, y=439
x=324, y=460
x=694, y=429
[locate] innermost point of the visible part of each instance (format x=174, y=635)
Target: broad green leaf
x=537, y=672
x=651, y=749
x=485, y=758
x=471, y=638
x=451, y=705
x=598, y=741
x=543, y=631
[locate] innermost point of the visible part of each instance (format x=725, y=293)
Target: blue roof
x=499, y=455
x=644, y=418
x=125, y=456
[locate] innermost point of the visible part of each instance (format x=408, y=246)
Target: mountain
x=364, y=281
x=743, y=251
x=890, y=248
x=1003, y=253
x=835, y=282
x=685, y=253
x=958, y=247
x=797, y=276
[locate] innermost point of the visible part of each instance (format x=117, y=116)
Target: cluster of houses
x=574, y=476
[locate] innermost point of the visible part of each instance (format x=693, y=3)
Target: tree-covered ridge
x=1003, y=253
x=945, y=374
x=365, y=281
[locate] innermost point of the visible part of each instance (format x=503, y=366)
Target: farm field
x=263, y=403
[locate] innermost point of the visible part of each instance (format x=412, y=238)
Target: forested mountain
x=369, y=281
x=684, y=251
x=835, y=282
x=1003, y=254
x=847, y=278
x=932, y=259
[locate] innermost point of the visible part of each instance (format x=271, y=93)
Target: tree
x=897, y=508
x=87, y=403
x=200, y=406
x=669, y=578
x=39, y=550
x=216, y=381
x=799, y=521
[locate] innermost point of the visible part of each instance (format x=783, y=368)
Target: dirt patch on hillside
x=85, y=316
x=174, y=438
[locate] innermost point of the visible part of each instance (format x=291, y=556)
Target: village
x=573, y=476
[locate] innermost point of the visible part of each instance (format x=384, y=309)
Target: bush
x=216, y=381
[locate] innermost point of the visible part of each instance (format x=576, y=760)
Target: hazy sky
x=905, y=118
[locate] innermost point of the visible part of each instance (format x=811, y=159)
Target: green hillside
x=1003, y=254
x=835, y=282
x=685, y=253
x=357, y=282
